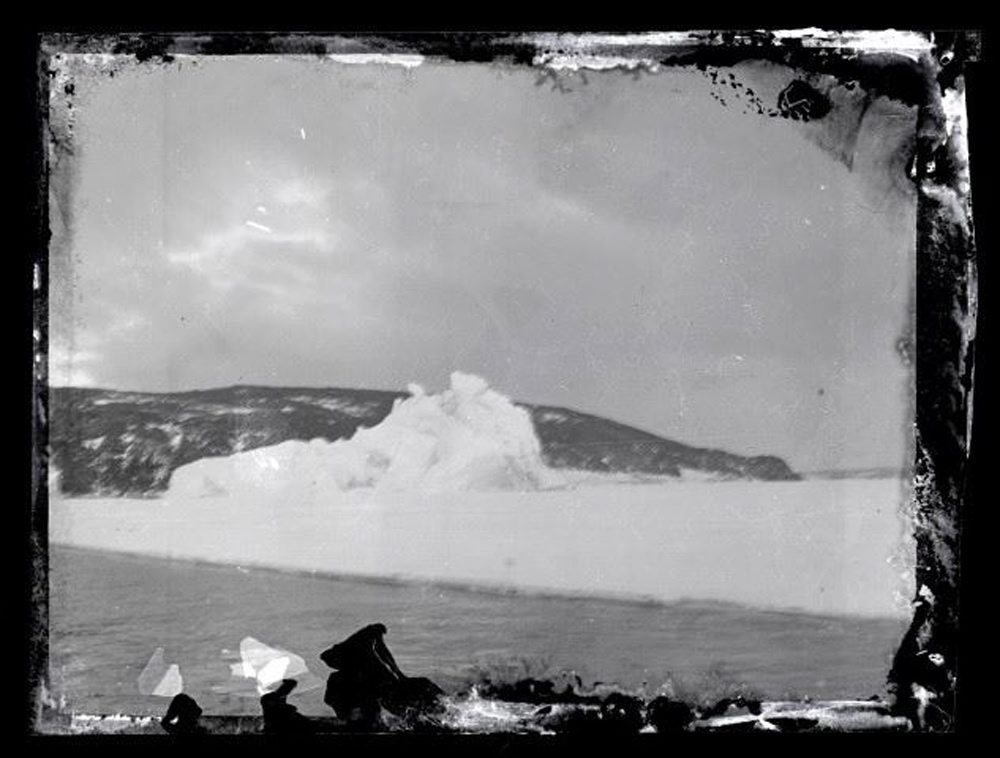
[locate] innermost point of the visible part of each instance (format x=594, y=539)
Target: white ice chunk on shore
x=159, y=679
x=171, y=684
x=267, y=665
x=468, y=437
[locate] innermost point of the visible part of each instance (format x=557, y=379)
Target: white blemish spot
x=953, y=104
x=602, y=51
x=893, y=40
x=575, y=62
x=406, y=61
x=261, y=209
x=261, y=227
x=302, y=132
x=589, y=41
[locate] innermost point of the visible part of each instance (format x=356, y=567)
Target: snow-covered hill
x=113, y=443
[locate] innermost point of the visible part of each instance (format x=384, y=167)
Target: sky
x=624, y=245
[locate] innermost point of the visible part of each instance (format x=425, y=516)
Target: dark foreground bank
x=369, y=694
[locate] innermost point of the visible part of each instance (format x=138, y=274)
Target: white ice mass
x=437, y=492
x=468, y=437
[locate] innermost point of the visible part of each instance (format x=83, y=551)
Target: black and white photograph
x=572, y=386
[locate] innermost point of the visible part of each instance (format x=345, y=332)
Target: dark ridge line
x=222, y=388
x=643, y=435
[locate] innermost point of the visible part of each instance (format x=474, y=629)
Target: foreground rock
x=369, y=693
x=367, y=679
x=666, y=715
x=281, y=717
x=183, y=716
x=519, y=718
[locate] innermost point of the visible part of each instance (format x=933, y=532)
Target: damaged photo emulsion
x=584, y=391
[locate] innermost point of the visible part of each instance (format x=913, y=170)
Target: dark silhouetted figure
x=668, y=715
x=279, y=716
x=367, y=679
x=182, y=716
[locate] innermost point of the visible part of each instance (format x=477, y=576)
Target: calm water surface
x=109, y=612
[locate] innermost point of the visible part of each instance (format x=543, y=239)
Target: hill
x=115, y=443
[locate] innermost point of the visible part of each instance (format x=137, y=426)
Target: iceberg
x=468, y=437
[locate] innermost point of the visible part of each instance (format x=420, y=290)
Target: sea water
x=110, y=612
x=787, y=589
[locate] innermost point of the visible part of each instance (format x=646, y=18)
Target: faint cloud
x=227, y=258
x=302, y=192
x=126, y=322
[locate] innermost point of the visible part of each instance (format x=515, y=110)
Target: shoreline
x=469, y=587
x=825, y=548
